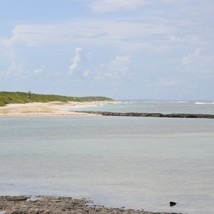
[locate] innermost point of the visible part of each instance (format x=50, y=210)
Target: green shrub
x=27, y=97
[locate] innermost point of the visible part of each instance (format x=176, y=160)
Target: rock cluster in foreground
x=65, y=205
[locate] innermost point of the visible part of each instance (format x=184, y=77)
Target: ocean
x=165, y=107
x=140, y=163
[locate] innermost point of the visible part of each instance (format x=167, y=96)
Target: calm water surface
x=116, y=161
x=194, y=107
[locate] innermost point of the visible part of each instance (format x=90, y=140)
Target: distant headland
x=30, y=104
x=28, y=97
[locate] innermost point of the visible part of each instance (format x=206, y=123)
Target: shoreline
x=49, y=108
x=71, y=109
x=65, y=205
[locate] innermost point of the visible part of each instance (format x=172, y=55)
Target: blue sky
x=139, y=49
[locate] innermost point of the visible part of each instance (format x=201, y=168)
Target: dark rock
x=137, y=114
x=17, y=198
x=172, y=203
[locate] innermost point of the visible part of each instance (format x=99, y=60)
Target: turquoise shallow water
x=116, y=161
x=193, y=107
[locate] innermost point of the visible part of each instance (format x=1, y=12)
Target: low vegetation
x=28, y=97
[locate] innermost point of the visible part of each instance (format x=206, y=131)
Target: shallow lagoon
x=131, y=162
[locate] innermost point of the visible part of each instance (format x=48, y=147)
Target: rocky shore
x=136, y=114
x=65, y=205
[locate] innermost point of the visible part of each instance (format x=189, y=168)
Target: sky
x=123, y=49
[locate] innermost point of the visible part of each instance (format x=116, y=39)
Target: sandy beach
x=48, y=109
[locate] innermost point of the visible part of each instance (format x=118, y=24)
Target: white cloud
x=103, y=6
x=7, y=52
x=19, y=69
x=171, y=1
x=31, y=35
x=16, y=69
x=92, y=32
x=155, y=34
x=120, y=61
x=39, y=71
x=197, y=61
x=116, y=5
x=76, y=61
x=116, y=69
x=87, y=73
x=191, y=57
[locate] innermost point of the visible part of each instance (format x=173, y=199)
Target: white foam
x=204, y=103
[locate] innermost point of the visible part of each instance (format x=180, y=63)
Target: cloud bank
x=141, y=47
x=116, y=5
x=104, y=6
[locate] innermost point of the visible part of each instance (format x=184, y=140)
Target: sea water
x=115, y=161
x=150, y=106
